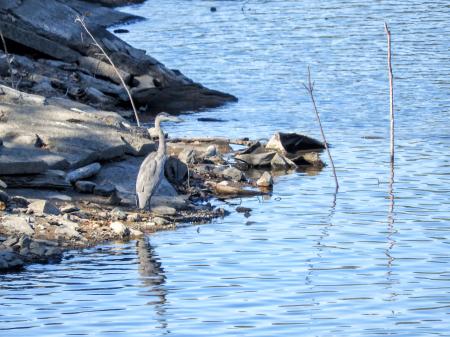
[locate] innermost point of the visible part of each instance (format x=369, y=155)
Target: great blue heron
x=151, y=171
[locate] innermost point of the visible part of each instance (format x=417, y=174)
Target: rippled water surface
x=306, y=262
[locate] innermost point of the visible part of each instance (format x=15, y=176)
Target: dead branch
x=310, y=89
x=391, y=93
x=8, y=60
x=80, y=20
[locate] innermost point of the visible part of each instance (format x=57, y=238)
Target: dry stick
x=82, y=23
x=7, y=59
x=310, y=89
x=391, y=95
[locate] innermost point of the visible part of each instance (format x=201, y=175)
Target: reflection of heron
x=151, y=171
x=152, y=275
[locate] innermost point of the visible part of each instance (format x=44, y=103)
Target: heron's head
x=165, y=117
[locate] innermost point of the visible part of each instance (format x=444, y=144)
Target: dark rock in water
x=241, y=209
x=213, y=9
x=176, y=171
x=10, y=261
x=121, y=31
x=308, y=159
x=291, y=143
x=233, y=173
x=209, y=119
x=4, y=197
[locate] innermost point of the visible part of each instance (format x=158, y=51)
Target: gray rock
x=120, y=229
x=175, y=171
x=69, y=209
x=160, y=221
x=257, y=160
x=134, y=217
x=13, y=224
x=211, y=151
x=118, y=214
x=44, y=207
x=83, y=172
x=10, y=261
x=164, y=210
x=188, y=156
x=265, y=180
x=2, y=184
x=138, y=146
x=105, y=189
x=279, y=161
x=20, y=202
x=4, y=197
x=51, y=179
x=233, y=173
x=67, y=229
x=84, y=186
x=14, y=161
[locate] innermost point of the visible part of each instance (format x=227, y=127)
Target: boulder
x=291, y=143
x=14, y=224
x=83, y=172
x=51, y=179
x=233, y=173
x=44, y=207
x=138, y=146
x=265, y=180
x=310, y=158
x=10, y=261
x=118, y=214
x=18, y=161
x=281, y=162
x=211, y=151
x=84, y=186
x=120, y=229
x=257, y=160
x=176, y=171
x=105, y=189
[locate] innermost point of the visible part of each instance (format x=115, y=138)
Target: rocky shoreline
x=70, y=154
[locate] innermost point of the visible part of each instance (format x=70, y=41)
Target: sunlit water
x=306, y=262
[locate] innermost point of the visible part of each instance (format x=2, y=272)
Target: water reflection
x=153, y=278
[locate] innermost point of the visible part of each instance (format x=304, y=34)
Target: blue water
x=307, y=262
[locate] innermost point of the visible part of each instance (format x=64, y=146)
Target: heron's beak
x=176, y=119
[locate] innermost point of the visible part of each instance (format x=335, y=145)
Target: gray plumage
x=151, y=171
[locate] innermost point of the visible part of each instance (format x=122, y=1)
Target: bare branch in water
x=310, y=89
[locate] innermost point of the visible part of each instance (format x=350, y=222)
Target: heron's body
x=151, y=171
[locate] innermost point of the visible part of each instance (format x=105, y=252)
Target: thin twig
x=7, y=59
x=80, y=20
x=310, y=88
x=391, y=95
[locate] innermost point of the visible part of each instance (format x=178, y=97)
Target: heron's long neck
x=162, y=139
